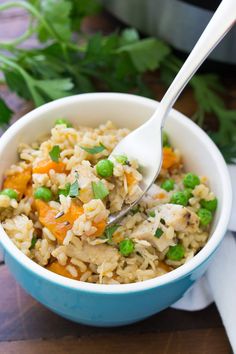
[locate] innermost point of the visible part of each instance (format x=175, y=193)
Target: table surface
x=28, y=327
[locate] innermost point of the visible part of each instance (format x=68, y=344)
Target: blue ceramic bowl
x=115, y=305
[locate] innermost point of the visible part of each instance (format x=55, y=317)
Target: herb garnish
x=65, y=191
x=55, y=153
x=162, y=221
x=74, y=189
x=100, y=191
x=33, y=242
x=135, y=209
x=94, y=150
x=110, y=230
x=158, y=232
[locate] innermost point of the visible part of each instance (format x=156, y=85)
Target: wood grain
x=179, y=342
x=28, y=327
x=22, y=318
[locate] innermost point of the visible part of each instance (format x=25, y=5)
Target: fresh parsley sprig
x=68, y=62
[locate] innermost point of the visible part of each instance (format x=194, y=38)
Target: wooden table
x=28, y=327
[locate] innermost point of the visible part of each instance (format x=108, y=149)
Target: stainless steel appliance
x=179, y=22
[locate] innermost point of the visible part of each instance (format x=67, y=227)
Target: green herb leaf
x=158, y=232
x=100, y=191
x=94, y=150
x=229, y=151
x=122, y=159
x=81, y=9
x=62, y=65
x=56, y=88
x=16, y=83
x=55, y=153
x=57, y=14
x=128, y=36
x=110, y=230
x=65, y=191
x=146, y=54
x=135, y=209
x=63, y=121
x=5, y=113
x=33, y=242
x=74, y=189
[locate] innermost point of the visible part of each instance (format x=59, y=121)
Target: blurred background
x=178, y=22
x=115, y=45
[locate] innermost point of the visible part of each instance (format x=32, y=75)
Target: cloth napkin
x=219, y=282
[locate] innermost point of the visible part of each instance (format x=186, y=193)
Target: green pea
x=105, y=168
x=205, y=216
x=126, y=247
x=43, y=193
x=152, y=214
x=11, y=193
x=165, y=139
x=65, y=191
x=122, y=159
x=168, y=185
x=191, y=180
x=176, y=253
x=209, y=204
x=188, y=193
x=61, y=121
x=179, y=198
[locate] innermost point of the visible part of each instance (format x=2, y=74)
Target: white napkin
x=219, y=282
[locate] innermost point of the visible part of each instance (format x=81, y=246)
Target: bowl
x=115, y=305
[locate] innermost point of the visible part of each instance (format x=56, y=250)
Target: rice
x=67, y=232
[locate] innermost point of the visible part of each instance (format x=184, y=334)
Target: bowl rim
x=116, y=289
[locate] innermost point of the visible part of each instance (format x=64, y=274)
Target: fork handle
x=223, y=19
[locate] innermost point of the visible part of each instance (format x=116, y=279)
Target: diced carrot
x=101, y=225
x=19, y=181
x=170, y=159
x=61, y=225
x=45, y=166
x=160, y=195
x=29, y=191
x=164, y=266
x=130, y=178
x=74, y=212
x=57, y=268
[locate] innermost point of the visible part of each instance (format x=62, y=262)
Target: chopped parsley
x=94, y=150
x=100, y=191
x=74, y=189
x=55, y=153
x=158, y=232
